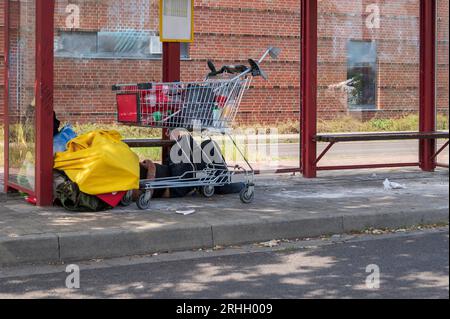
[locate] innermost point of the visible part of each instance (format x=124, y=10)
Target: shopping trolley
x=184, y=108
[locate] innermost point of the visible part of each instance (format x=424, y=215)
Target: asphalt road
x=412, y=265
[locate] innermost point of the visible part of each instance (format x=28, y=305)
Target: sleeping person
x=151, y=171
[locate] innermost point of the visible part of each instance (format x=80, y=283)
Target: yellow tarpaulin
x=100, y=163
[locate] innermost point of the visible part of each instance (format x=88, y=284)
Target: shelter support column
x=171, y=73
x=308, y=71
x=44, y=101
x=427, y=82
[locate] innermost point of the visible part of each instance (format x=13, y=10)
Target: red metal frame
x=427, y=152
x=325, y=151
x=308, y=85
x=171, y=62
x=368, y=166
x=434, y=157
x=171, y=66
x=427, y=82
x=6, y=96
x=44, y=101
x=171, y=73
x=22, y=189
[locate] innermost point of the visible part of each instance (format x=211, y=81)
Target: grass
x=349, y=124
x=127, y=132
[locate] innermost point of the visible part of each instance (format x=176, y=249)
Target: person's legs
x=151, y=171
x=178, y=170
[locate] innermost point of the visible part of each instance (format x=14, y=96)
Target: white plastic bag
x=389, y=186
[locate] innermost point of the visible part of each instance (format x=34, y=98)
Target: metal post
x=44, y=101
x=427, y=82
x=309, y=88
x=171, y=73
x=171, y=62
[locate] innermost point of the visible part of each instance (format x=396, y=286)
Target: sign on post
x=176, y=20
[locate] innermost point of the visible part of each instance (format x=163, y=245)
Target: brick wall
x=398, y=54
x=22, y=66
x=443, y=56
x=225, y=31
x=230, y=31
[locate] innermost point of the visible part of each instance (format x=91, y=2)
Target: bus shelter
x=29, y=78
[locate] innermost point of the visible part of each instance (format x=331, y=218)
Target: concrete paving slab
x=110, y=244
x=29, y=249
x=232, y=233
x=285, y=207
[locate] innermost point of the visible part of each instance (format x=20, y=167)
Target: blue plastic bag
x=60, y=141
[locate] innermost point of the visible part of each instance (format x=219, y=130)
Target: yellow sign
x=176, y=20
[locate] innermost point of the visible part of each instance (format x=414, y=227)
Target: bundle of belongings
x=97, y=170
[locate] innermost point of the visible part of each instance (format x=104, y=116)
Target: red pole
x=44, y=101
x=171, y=62
x=427, y=82
x=6, y=96
x=309, y=88
x=171, y=65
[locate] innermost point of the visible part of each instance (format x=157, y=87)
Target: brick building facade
x=383, y=59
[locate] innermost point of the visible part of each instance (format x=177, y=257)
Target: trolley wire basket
x=210, y=105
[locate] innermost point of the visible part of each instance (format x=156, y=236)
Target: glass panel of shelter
x=442, y=73
x=106, y=42
x=368, y=77
x=21, y=101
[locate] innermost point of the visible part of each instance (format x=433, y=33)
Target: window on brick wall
x=362, y=74
x=114, y=45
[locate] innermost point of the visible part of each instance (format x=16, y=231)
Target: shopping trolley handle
x=256, y=69
x=230, y=69
x=243, y=70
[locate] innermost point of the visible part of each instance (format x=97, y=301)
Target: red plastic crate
x=128, y=110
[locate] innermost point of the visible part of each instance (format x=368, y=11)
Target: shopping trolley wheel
x=247, y=194
x=144, y=201
x=208, y=191
x=127, y=200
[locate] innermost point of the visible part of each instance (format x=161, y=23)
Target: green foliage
x=382, y=124
x=125, y=131
x=350, y=124
x=129, y=132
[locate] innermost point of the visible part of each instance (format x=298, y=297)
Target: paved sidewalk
x=285, y=207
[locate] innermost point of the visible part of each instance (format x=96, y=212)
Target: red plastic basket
x=128, y=110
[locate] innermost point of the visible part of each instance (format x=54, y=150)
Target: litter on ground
x=185, y=212
x=388, y=185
